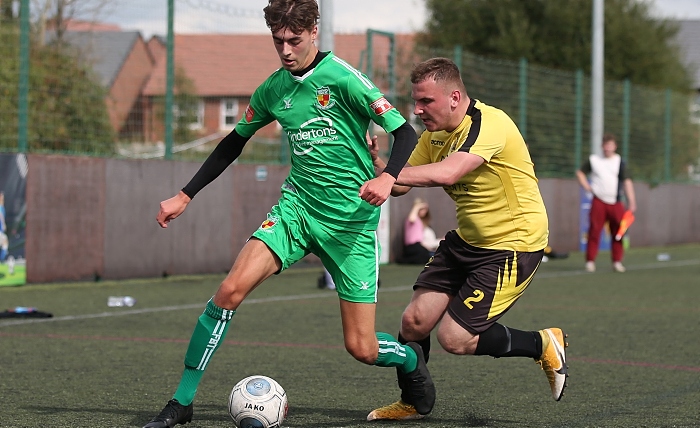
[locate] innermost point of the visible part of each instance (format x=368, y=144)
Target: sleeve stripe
x=359, y=75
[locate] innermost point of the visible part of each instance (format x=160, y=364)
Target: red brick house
x=225, y=69
x=122, y=62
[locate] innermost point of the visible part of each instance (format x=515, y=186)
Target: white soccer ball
x=258, y=402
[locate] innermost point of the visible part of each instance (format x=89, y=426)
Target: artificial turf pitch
x=633, y=356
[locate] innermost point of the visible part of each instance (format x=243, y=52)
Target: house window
x=229, y=113
x=191, y=114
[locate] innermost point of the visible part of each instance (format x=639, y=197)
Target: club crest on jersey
x=268, y=224
x=323, y=97
x=381, y=106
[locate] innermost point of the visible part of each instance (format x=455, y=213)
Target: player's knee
x=228, y=296
x=413, y=327
x=364, y=353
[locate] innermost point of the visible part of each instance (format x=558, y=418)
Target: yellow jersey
x=499, y=205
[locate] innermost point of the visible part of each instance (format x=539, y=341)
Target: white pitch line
x=660, y=265
x=120, y=313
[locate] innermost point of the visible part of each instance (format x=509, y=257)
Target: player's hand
x=373, y=146
x=377, y=190
x=172, y=208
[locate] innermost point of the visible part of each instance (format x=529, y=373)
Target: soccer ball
x=257, y=402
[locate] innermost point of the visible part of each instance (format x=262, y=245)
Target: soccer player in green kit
x=325, y=107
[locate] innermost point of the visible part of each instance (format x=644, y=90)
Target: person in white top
x=606, y=177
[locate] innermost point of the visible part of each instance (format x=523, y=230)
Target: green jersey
x=325, y=115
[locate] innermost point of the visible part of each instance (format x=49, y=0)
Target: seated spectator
x=420, y=241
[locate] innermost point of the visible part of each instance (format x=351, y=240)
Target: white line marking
x=679, y=263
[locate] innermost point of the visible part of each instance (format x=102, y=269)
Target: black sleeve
x=223, y=155
x=624, y=174
x=586, y=167
x=405, y=140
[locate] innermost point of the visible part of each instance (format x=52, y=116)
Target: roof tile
x=236, y=64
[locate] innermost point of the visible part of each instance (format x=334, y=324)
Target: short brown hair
x=609, y=137
x=296, y=15
x=438, y=69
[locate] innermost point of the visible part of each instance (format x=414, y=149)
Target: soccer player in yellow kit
x=477, y=155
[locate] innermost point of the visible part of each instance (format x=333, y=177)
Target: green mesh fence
x=9, y=74
x=75, y=106
x=655, y=130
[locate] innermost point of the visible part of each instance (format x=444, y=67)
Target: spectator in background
x=608, y=180
x=419, y=241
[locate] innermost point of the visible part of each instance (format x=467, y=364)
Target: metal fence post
x=457, y=54
x=169, y=82
x=523, y=98
x=23, y=101
x=578, y=119
x=626, y=95
x=667, y=137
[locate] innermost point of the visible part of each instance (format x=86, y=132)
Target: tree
x=67, y=111
x=557, y=34
x=185, y=107
x=6, y=10
x=55, y=15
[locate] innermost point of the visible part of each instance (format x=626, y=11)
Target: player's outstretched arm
x=444, y=173
x=223, y=155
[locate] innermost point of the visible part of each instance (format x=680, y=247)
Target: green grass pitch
x=633, y=355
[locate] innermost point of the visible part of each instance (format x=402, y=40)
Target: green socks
x=208, y=334
x=394, y=354
x=211, y=329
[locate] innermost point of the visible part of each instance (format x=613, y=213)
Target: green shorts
x=351, y=257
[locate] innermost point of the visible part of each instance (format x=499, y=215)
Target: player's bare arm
x=444, y=173
x=172, y=208
x=583, y=181
x=631, y=198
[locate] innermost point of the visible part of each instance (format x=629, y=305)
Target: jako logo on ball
x=258, y=402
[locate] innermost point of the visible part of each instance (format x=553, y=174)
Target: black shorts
x=485, y=283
